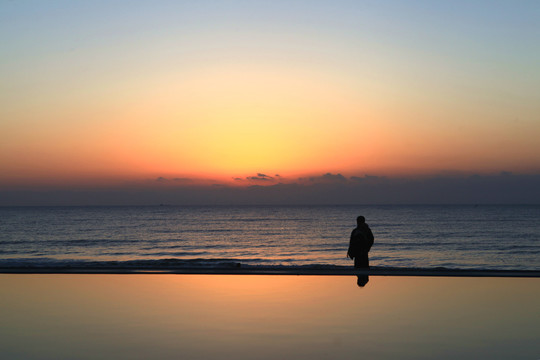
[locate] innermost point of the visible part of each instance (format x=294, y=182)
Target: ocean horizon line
x=268, y=205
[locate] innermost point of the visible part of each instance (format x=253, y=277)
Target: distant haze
x=331, y=189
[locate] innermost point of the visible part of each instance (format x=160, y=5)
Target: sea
x=483, y=237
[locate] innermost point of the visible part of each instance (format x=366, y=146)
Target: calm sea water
x=454, y=237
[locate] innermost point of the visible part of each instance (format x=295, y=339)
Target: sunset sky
x=114, y=91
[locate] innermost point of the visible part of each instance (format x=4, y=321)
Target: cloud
x=260, y=177
x=367, y=178
x=327, y=178
x=175, y=180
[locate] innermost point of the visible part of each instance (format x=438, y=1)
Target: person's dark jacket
x=361, y=241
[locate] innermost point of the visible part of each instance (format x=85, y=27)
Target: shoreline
x=274, y=271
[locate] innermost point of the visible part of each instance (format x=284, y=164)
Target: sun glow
x=238, y=120
x=216, y=92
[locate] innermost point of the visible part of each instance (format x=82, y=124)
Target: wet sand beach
x=171, y=316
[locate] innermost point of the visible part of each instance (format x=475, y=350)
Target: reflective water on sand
x=267, y=317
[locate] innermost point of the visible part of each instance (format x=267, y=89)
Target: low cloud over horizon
x=264, y=189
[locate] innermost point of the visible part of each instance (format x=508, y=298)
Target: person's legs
x=361, y=261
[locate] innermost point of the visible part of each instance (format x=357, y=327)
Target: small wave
x=419, y=244
x=194, y=264
x=169, y=263
x=209, y=231
x=176, y=254
x=520, y=247
x=90, y=242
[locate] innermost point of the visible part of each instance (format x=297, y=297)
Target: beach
x=199, y=316
x=270, y=282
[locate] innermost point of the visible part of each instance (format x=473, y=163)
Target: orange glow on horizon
x=211, y=93
x=238, y=120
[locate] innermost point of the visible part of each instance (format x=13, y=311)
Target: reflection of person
x=362, y=280
x=360, y=243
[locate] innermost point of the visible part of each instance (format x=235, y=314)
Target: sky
x=176, y=94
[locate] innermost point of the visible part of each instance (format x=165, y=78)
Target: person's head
x=360, y=220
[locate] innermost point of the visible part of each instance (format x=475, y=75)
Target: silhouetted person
x=360, y=244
